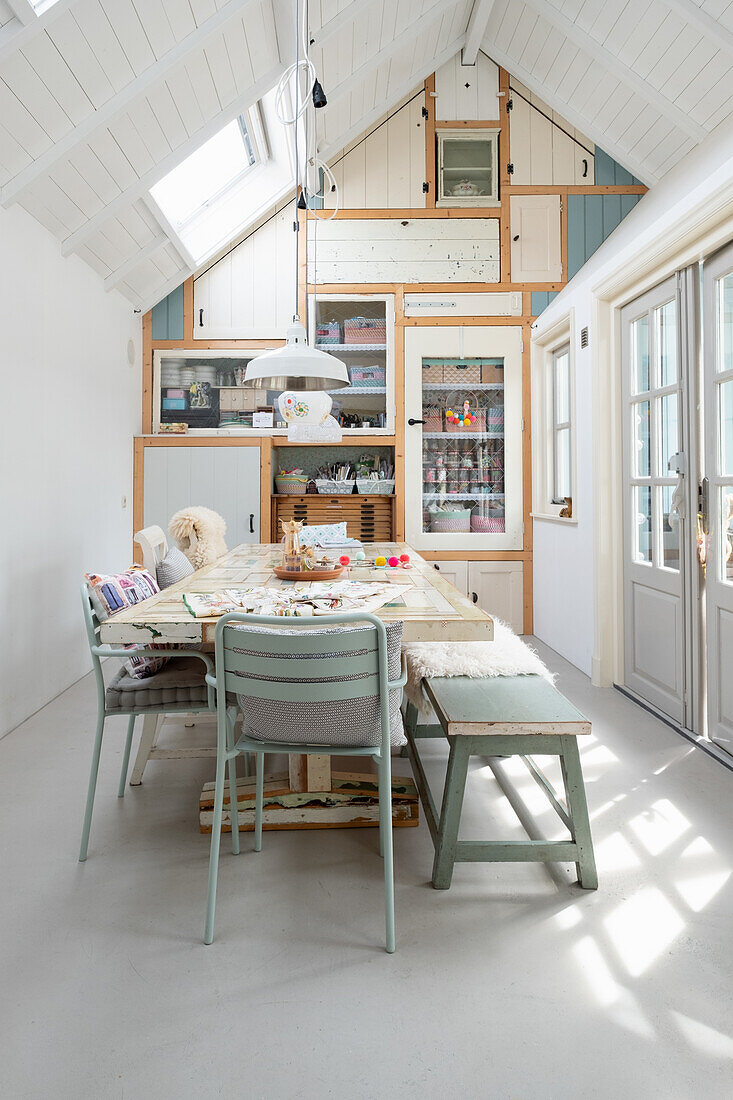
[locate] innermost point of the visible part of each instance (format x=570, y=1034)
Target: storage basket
x=495, y=422
x=328, y=332
x=486, y=524
x=290, y=484
x=449, y=522
x=492, y=372
x=478, y=425
x=433, y=418
x=462, y=375
x=331, y=487
x=367, y=376
x=365, y=330
x=432, y=373
x=366, y=485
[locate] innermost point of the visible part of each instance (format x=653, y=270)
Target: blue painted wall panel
x=541, y=300
x=611, y=214
x=576, y=234
x=168, y=316
x=609, y=171
x=593, y=223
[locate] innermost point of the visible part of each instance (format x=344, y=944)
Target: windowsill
x=553, y=517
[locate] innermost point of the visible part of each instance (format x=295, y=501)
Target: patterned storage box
x=367, y=376
x=433, y=418
x=365, y=330
x=332, y=487
x=495, y=422
x=290, y=484
x=328, y=332
x=492, y=372
x=487, y=523
x=466, y=375
x=169, y=404
x=368, y=485
x=432, y=373
x=450, y=522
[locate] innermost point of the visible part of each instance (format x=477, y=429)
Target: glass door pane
x=355, y=330
x=463, y=445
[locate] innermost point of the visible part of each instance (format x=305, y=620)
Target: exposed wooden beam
x=415, y=81
x=23, y=11
x=617, y=68
x=719, y=35
x=476, y=29
x=401, y=42
x=338, y=22
x=120, y=273
x=120, y=102
x=150, y=178
x=23, y=33
x=170, y=231
x=145, y=304
x=570, y=114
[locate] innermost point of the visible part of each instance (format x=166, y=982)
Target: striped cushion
x=174, y=567
x=349, y=722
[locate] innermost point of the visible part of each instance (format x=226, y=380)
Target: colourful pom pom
x=345, y=559
x=449, y=413
x=360, y=555
x=380, y=560
x=393, y=562
x=404, y=558
x=467, y=421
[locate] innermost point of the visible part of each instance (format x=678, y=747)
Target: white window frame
x=545, y=350
x=561, y=426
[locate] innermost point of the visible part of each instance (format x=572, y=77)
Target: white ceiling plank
x=395, y=96
x=574, y=117
x=621, y=71
x=114, y=107
x=131, y=263
x=719, y=35
x=24, y=34
x=402, y=42
x=169, y=230
x=140, y=186
x=23, y=11
x=164, y=289
x=349, y=14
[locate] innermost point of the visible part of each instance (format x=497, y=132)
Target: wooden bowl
x=308, y=574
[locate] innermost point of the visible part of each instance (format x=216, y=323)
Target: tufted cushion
x=181, y=683
x=351, y=722
x=174, y=567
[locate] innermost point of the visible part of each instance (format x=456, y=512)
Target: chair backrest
x=91, y=623
x=305, y=662
x=154, y=547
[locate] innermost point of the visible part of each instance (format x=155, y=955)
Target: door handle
x=585, y=168
x=474, y=597
x=705, y=504
x=251, y=523
x=412, y=422
x=201, y=318
x=516, y=238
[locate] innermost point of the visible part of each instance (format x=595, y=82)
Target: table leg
x=450, y=814
x=572, y=775
x=318, y=773
x=298, y=773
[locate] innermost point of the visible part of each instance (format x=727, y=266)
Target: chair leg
x=126, y=757
x=214, y=850
x=385, y=833
x=233, y=804
x=259, y=797
x=91, y=789
x=450, y=814
x=146, y=746
x=572, y=776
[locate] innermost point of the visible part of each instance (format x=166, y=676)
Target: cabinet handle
x=251, y=523
x=412, y=422
x=436, y=567
x=585, y=168
x=474, y=597
x=516, y=238
x=201, y=318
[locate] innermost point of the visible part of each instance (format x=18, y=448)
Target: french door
x=717, y=495
x=656, y=528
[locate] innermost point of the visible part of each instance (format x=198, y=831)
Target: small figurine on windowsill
x=567, y=511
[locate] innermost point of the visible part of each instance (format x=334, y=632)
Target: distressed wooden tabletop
x=431, y=608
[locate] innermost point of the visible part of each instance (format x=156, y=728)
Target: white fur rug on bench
x=507, y=655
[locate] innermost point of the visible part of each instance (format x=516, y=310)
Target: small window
x=562, y=482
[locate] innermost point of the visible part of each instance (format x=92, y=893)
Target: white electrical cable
x=295, y=69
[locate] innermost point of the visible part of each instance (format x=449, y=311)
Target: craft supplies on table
x=312, y=598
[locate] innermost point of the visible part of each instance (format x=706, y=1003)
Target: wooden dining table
x=310, y=795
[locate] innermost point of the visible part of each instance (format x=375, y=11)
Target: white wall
x=71, y=407
x=687, y=214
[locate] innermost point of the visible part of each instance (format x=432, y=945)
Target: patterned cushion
x=113, y=592
x=174, y=567
x=181, y=684
x=351, y=722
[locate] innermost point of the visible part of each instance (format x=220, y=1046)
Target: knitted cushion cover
x=349, y=722
x=174, y=567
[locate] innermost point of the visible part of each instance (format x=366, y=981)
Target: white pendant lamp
x=297, y=366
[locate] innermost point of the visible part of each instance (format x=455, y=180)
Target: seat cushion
x=348, y=722
x=181, y=683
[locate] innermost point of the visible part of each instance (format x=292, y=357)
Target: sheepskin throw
x=507, y=655
x=199, y=533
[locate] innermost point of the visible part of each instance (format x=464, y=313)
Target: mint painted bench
x=498, y=717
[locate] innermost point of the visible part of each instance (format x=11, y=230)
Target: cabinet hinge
x=425, y=113
x=522, y=423
x=509, y=105
x=510, y=169
x=425, y=187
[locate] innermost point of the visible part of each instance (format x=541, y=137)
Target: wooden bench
x=498, y=717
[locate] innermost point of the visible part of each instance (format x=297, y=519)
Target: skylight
x=206, y=175
x=39, y=6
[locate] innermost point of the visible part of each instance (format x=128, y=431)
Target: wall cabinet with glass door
x=359, y=329
x=205, y=391
x=468, y=167
x=463, y=437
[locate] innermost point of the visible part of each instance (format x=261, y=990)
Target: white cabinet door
x=498, y=588
x=226, y=479
x=456, y=572
x=250, y=293
x=535, y=232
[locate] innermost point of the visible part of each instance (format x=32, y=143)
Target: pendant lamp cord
x=297, y=164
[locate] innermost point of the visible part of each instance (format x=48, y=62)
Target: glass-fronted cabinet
x=359, y=329
x=204, y=391
x=468, y=167
x=463, y=437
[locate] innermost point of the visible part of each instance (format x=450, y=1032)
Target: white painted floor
x=513, y=984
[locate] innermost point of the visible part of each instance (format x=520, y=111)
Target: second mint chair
x=329, y=685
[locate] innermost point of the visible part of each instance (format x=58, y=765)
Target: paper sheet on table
x=316, y=598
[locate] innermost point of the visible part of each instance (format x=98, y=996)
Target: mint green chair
x=146, y=695
x=294, y=678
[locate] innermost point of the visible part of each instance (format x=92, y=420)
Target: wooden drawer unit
x=368, y=518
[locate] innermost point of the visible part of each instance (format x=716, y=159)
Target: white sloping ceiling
x=101, y=98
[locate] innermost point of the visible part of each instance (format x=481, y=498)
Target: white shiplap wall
x=469, y=92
